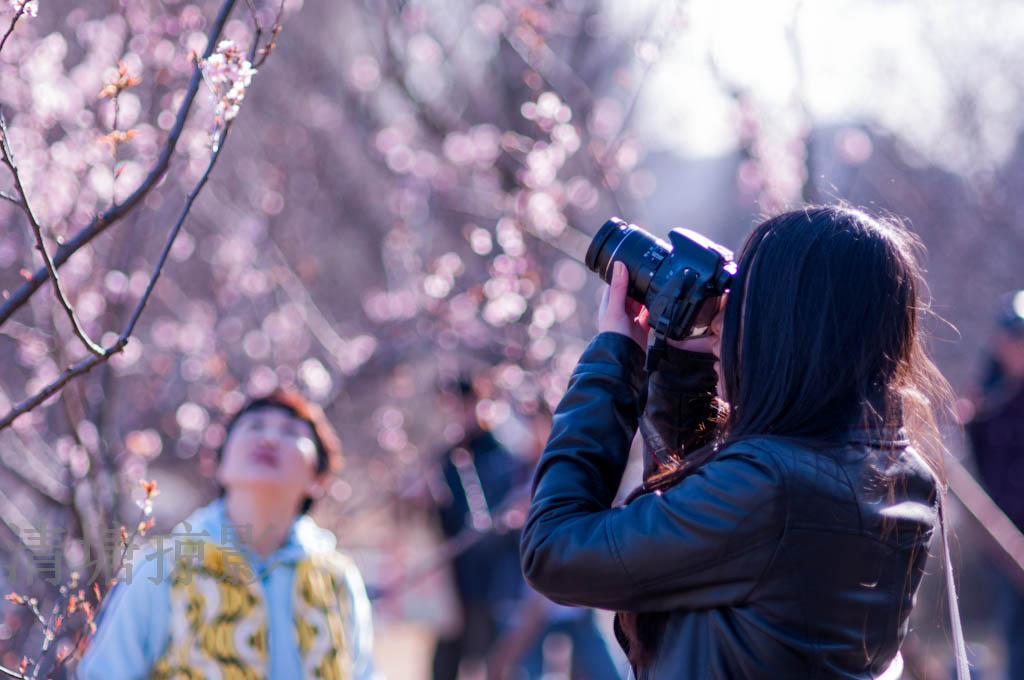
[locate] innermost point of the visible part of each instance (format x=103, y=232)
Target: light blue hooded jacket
x=133, y=628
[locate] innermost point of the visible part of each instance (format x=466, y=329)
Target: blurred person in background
x=530, y=647
x=995, y=428
x=786, y=537
x=480, y=476
x=251, y=586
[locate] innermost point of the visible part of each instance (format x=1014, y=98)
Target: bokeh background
x=406, y=196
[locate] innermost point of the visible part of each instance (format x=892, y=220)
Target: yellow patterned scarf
x=218, y=618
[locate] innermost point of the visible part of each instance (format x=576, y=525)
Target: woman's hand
x=620, y=314
x=711, y=341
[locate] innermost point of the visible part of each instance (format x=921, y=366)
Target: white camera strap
x=959, y=647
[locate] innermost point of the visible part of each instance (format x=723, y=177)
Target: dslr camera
x=679, y=282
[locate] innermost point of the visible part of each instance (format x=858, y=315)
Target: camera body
x=678, y=282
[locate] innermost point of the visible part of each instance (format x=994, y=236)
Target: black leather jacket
x=773, y=560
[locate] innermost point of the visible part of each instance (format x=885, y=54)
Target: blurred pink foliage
x=395, y=211
x=407, y=196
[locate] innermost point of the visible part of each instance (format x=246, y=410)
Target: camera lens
x=617, y=241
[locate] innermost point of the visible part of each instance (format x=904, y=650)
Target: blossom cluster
x=24, y=7
x=229, y=73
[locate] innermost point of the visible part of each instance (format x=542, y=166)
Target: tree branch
x=7, y=157
x=14, y=21
x=12, y=674
x=545, y=61
x=317, y=322
x=41, y=469
x=7, y=519
x=86, y=365
x=272, y=41
x=42, y=395
x=257, y=31
x=57, y=498
x=12, y=199
x=170, y=239
x=105, y=219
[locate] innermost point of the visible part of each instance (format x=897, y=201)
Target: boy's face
x=270, y=448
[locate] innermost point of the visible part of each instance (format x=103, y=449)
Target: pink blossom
x=228, y=73
x=26, y=7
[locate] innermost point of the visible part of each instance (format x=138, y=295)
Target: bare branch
x=41, y=469
x=8, y=197
x=255, y=20
x=42, y=395
x=539, y=56
x=105, y=219
x=264, y=51
x=317, y=322
x=502, y=521
x=12, y=674
x=13, y=520
x=14, y=21
x=57, y=498
x=63, y=605
x=170, y=239
x=272, y=41
x=86, y=365
x=7, y=157
x=62, y=661
x=104, y=354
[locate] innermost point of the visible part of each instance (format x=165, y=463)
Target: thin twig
x=173, y=235
x=317, y=322
x=14, y=21
x=62, y=605
x=90, y=363
x=7, y=157
x=466, y=538
x=13, y=674
x=255, y=20
x=8, y=197
x=553, y=69
x=272, y=40
x=8, y=519
x=61, y=662
x=126, y=541
x=41, y=471
x=57, y=498
x=105, y=219
x=42, y=395
x=616, y=142
x=257, y=31
x=113, y=151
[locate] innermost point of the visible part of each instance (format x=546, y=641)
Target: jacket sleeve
x=680, y=413
x=132, y=629
x=358, y=623
x=702, y=543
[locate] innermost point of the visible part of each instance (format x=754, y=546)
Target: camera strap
x=959, y=647
x=657, y=351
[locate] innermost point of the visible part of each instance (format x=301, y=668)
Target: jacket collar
x=880, y=436
x=304, y=535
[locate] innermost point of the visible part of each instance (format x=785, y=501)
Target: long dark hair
x=821, y=334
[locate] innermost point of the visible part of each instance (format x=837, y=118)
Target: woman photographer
x=782, y=535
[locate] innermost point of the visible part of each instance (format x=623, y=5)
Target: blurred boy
x=251, y=587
